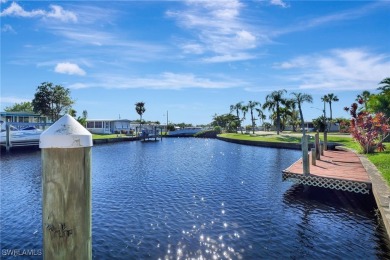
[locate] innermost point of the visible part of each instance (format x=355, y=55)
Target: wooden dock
x=338, y=169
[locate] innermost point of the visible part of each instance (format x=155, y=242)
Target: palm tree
x=386, y=87
x=332, y=98
x=244, y=110
x=273, y=102
x=298, y=99
x=140, y=108
x=260, y=114
x=325, y=100
x=237, y=107
x=251, y=105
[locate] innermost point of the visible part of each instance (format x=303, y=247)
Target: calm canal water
x=193, y=198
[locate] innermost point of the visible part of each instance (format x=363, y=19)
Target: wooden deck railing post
x=317, y=145
x=325, y=144
x=66, y=190
x=305, y=158
x=313, y=156
x=8, y=143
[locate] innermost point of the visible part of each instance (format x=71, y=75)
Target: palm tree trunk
x=277, y=119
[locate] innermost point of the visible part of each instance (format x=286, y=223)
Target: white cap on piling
x=66, y=132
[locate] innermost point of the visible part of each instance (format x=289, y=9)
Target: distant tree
x=72, y=112
x=363, y=98
x=171, y=127
x=51, y=101
x=386, y=85
x=331, y=98
x=260, y=114
x=299, y=99
x=83, y=118
x=325, y=99
x=20, y=107
x=319, y=123
x=273, y=102
x=140, y=108
x=237, y=108
x=226, y=121
x=244, y=110
x=251, y=105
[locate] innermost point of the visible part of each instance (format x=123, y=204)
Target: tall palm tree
x=244, y=110
x=298, y=99
x=140, y=108
x=260, y=114
x=332, y=98
x=325, y=100
x=273, y=102
x=237, y=107
x=251, y=105
x=386, y=87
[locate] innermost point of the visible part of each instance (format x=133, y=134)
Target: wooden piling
x=66, y=190
x=325, y=144
x=313, y=156
x=317, y=145
x=305, y=158
x=8, y=143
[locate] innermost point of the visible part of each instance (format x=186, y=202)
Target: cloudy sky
x=192, y=58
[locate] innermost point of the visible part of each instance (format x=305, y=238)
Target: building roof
x=21, y=113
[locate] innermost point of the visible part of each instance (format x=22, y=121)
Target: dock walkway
x=337, y=169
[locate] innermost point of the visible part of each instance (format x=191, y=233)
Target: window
x=91, y=124
x=98, y=124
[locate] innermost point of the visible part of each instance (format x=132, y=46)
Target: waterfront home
x=110, y=126
x=24, y=119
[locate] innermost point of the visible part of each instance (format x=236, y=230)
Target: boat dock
x=337, y=169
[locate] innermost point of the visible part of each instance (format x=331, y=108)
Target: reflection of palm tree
x=273, y=102
x=251, y=105
x=237, y=107
x=140, y=108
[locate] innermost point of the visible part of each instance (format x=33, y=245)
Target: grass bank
x=380, y=160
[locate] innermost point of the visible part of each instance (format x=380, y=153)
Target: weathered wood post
x=313, y=156
x=66, y=190
x=8, y=143
x=322, y=149
x=325, y=143
x=317, y=145
x=305, y=158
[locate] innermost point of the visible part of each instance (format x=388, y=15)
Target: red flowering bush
x=368, y=130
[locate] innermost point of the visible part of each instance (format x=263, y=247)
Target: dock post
x=322, y=149
x=66, y=190
x=313, y=156
x=8, y=143
x=325, y=144
x=317, y=144
x=305, y=158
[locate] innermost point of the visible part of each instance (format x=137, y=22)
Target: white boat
x=28, y=134
x=187, y=131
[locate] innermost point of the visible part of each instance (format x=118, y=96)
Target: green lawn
x=380, y=160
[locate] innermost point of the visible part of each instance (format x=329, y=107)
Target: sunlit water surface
x=197, y=198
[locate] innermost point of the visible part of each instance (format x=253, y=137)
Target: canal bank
x=379, y=187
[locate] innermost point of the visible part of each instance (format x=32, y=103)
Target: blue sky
x=192, y=58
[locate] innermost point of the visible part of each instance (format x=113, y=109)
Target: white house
x=109, y=126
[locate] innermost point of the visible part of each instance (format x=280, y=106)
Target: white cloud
x=69, y=68
x=56, y=12
x=16, y=10
x=218, y=29
x=166, y=80
x=8, y=28
x=339, y=69
x=279, y=3
x=59, y=13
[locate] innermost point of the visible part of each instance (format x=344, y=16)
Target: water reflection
x=197, y=198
